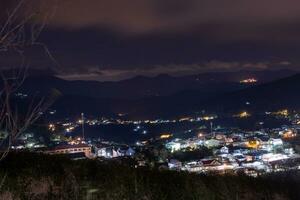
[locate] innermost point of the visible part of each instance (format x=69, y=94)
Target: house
x=239, y=157
x=174, y=164
x=224, y=150
x=211, y=164
x=129, y=152
x=173, y=146
x=108, y=151
x=255, y=155
x=193, y=166
x=257, y=165
x=212, y=143
x=275, y=142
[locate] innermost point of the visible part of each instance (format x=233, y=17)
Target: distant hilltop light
x=244, y=114
x=249, y=80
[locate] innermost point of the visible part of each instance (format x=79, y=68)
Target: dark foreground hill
x=30, y=176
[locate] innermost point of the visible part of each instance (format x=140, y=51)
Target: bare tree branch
x=19, y=32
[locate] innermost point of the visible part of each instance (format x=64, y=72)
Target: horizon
x=49, y=72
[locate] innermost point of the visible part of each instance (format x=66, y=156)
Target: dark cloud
x=147, y=16
x=114, y=39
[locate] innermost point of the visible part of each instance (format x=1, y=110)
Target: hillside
x=170, y=96
x=56, y=177
x=283, y=93
x=143, y=87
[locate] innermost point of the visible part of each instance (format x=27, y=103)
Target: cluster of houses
x=82, y=150
x=235, y=151
x=27, y=141
x=251, y=153
x=113, y=151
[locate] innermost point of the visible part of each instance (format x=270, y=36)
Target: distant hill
x=166, y=96
x=142, y=86
x=283, y=93
x=274, y=95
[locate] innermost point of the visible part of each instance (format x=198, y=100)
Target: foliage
x=34, y=176
x=192, y=154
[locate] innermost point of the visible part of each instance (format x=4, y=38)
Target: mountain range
x=167, y=96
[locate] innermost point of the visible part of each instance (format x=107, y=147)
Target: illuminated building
x=270, y=157
x=253, y=143
x=288, y=134
x=211, y=164
x=275, y=142
x=212, y=143
x=173, y=146
x=165, y=136
x=68, y=149
x=257, y=165
x=113, y=152
x=174, y=164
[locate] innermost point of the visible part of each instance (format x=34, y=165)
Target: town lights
x=51, y=127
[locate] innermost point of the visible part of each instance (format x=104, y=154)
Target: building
x=173, y=146
x=69, y=149
x=107, y=151
x=174, y=164
x=212, y=143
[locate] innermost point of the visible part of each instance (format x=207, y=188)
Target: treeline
x=38, y=177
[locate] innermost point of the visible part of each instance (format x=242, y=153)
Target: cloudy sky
x=117, y=39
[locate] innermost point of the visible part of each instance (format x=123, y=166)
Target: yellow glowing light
x=284, y=112
x=289, y=134
x=243, y=115
x=253, y=144
x=165, y=136
x=206, y=118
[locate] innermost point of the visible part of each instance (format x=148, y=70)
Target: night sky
x=117, y=39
